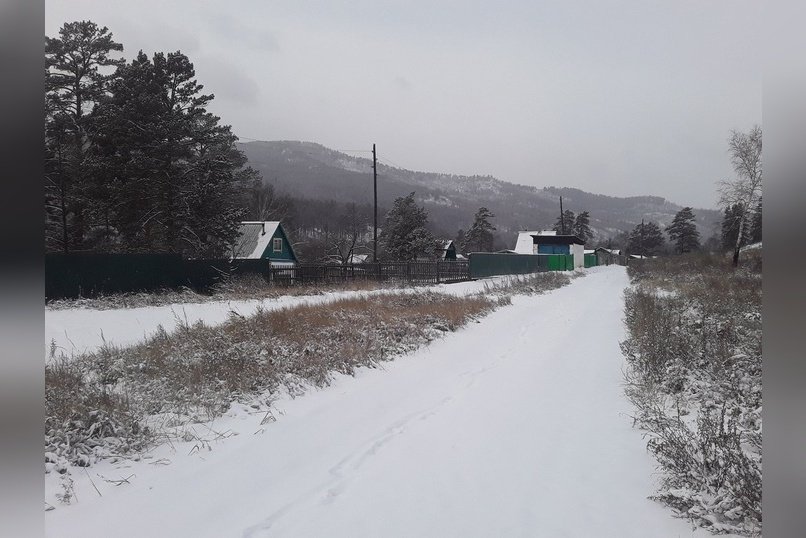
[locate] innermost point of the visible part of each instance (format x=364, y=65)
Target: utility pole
x=562, y=217
x=643, y=246
x=375, y=189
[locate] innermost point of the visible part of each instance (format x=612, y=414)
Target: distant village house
x=446, y=250
x=264, y=240
x=550, y=242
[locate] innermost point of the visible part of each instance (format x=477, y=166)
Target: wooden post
x=375, y=192
x=562, y=217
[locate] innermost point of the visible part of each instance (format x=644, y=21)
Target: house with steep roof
x=446, y=250
x=264, y=240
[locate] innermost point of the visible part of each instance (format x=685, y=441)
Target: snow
x=80, y=330
x=515, y=426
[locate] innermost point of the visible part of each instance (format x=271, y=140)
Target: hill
x=312, y=171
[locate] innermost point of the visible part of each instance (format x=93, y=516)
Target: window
x=278, y=244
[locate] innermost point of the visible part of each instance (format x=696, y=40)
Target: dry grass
x=129, y=394
x=694, y=375
x=529, y=284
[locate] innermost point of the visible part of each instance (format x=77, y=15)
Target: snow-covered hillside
x=515, y=426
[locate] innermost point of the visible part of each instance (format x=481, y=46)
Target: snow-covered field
x=80, y=330
x=515, y=426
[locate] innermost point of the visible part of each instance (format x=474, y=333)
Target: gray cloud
x=401, y=83
x=620, y=98
x=235, y=31
x=227, y=82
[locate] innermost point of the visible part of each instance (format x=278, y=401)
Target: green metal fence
x=484, y=264
x=92, y=274
x=591, y=260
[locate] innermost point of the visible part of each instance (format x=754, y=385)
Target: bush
x=694, y=375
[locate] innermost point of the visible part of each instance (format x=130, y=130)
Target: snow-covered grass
x=530, y=284
x=694, y=355
x=119, y=400
x=82, y=329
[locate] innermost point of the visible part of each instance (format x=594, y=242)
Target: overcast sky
x=613, y=97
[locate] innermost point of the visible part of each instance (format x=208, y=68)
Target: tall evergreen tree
x=755, y=227
x=479, y=238
x=683, y=232
x=459, y=240
x=646, y=239
x=74, y=84
x=582, y=227
x=565, y=222
x=731, y=224
x=405, y=235
x=175, y=170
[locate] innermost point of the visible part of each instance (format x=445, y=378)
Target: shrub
x=694, y=375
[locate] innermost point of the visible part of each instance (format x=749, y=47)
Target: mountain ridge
x=311, y=170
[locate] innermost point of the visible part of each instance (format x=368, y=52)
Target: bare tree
x=353, y=226
x=745, y=190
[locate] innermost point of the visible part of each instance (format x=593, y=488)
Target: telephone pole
x=643, y=246
x=562, y=217
x=375, y=189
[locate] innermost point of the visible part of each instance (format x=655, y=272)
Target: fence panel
x=484, y=264
x=89, y=274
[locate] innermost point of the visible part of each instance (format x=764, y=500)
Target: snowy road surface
x=516, y=426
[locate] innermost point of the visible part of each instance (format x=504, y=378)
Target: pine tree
x=582, y=227
x=479, y=238
x=683, y=232
x=405, y=235
x=74, y=84
x=459, y=240
x=755, y=225
x=565, y=222
x=176, y=173
x=645, y=239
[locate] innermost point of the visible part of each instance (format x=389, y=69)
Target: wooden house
x=264, y=240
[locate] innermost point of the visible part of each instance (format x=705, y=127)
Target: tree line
x=134, y=161
x=740, y=198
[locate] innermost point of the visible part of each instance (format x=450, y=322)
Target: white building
x=550, y=242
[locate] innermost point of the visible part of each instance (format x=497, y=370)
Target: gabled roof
x=445, y=244
x=556, y=239
x=254, y=237
x=358, y=258
x=613, y=251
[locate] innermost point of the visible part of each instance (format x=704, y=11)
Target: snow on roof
x=253, y=238
x=445, y=244
x=591, y=251
x=358, y=258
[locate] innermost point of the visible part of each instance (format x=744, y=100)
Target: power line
x=332, y=149
x=390, y=162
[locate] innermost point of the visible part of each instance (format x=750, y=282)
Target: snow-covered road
x=516, y=426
